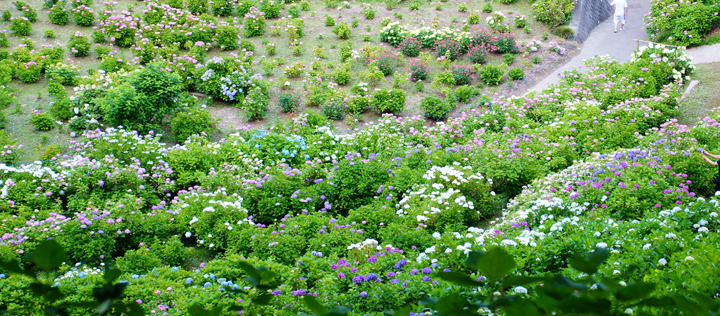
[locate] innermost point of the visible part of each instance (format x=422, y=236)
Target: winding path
x=603, y=41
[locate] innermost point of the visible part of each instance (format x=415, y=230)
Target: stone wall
x=587, y=15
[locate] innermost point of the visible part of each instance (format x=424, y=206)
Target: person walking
x=621, y=11
x=714, y=163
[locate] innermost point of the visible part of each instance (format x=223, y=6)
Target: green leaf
x=250, y=270
x=197, y=310
x=473, y=258
x=452, y=304
x=312, y=303
x=685, y=305
x=590, y=263
x=495, y=263
x=14, y=267
x=103, y=306
x=111, y=275
x=47, y=292
x=459, y=278
x=48, y=255
x=338, y=311
x=134, y=309
x=263, y=299
x=429, y=301
x=402, y=311
x=581, y=305
x=656, y=302
x=521, y=307
x=517, y=280
x=635, y=291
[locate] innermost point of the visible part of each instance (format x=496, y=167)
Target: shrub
x=222, y=7
x=342, y=74
x=4, y=42
x=294, y=11
x=79, y=45
x=684, y=23
x=329, y=21
x=271, y=8
x=29, y=72
x=304, y=5
x=254, y=23
x=138, y=261
x=410, y=46
x=60, y=109
x=227, y=37
x=288, y=101
x=197, y=7
x=478, y=54
x=516, y=73
x=358, y=104
x=520, y=21
x=334, y=109
x=177, y=4
x=50, y=34
x=492, y=74
x=536, y=59
x=435, y=107
x=464, y=93
x=448, y=48
x=6, y=15
x=256, y=104
x=342, y=30
x=387, y=63
x=62, y=73
x=462, y=74
x=295, y=70
x=42, y=121
x=102, y=51
x=506, y=44
x=552, y=12
x=388, y=101
x=194, y=121
x=563, y=31
x=473, y=18
x=445, y=78
x=58, y=14
x=487, y=8
x=418, y=69
x=83, y=16
x=508, y=58
x=21, y=26
x=368, y=12
x=29, y=13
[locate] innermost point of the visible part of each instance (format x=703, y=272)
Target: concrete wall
x=587, y=15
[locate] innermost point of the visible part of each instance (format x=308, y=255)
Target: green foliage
x=6, y=15
x=42, y=121
x=60, y=109
x=410, y=46
x=195, y=121
x=222, y=7
x=388, y=101
x=83, y=16
x=487, y=8
x=254, y=23
x=686, y=24
x=63, y=73
x=462, y=74
x=342, y=30
x=508, y=58
x=334, y=109
x=255, y=104
x=329, y=21
x=465, y=92
x=50, y=34
x=435, y=107
x=227, y=37
x=294, y=11
x=28, y=72
x=58, y=14
x=288, y=101
x=492, y=74
x=563, y=31
x=552, y=12
x=271, y=8
x=516, y=73
x=79, y=45
x=418, y=69
x=198, y=7
x=342, y=74
x=295, y=70
x=445, y=78
x=21, y=26
x=368, y=12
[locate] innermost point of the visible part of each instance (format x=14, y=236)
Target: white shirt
x=620, y=6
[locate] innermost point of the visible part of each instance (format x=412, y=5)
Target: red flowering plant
x=418, y=69
x=462, y=74
x=478, y=53
x=410, y=46
x=448, y=48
